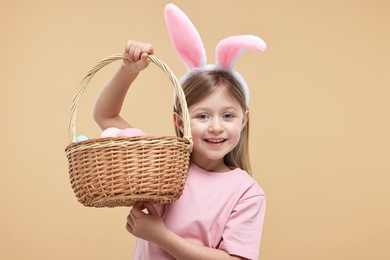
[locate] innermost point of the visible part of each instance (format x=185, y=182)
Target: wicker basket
x=118, y=171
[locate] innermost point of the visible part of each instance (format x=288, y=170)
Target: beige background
x=319, y=110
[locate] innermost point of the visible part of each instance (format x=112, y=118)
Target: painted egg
x=131, y=132
x=110, y=132
x=81, y=138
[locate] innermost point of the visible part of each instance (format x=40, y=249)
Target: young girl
x=221, y=211
x=220, y=214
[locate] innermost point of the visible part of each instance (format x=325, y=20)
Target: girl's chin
x=211, y=159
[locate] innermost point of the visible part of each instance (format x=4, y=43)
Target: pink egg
x=131, y=132
x=110, y=132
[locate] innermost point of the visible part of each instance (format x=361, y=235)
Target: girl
x=221, y=211
x=220, y=214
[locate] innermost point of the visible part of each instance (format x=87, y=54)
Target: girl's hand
x=138, y=53
x=148, y=226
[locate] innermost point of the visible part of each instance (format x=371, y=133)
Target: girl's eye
x=228, y=116
x=202, y=116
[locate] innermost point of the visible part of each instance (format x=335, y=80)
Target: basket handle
x=87, y=78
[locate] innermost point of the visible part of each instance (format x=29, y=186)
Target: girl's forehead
x=219, y=97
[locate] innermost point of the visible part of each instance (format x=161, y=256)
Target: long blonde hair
x=200, y=86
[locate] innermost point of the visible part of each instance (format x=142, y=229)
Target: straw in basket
x=118, y=171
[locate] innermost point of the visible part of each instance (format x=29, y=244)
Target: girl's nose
x=216, y=126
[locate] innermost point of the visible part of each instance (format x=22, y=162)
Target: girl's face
x=216, y=123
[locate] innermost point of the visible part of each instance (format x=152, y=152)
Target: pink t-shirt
x=217, y=210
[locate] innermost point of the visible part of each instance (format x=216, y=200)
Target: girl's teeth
x=215, y=141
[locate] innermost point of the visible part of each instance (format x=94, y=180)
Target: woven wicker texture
x=118, y=171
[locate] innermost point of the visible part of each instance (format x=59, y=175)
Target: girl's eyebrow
x=196, y=108
x=230, y=107
x=222, y=108
x=205, y=109
x=235, y=109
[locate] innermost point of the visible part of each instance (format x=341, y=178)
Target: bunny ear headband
x=189, y=46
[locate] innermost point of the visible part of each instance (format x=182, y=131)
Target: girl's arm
x=150, y=227
x=110, y=100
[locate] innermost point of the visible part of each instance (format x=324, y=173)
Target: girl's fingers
x=136, y=211
x=129, y=227
x=145, y=60
x=129, y=224
x=137, y=53
x=130, y=219
x=148, y=48
x=135, y=49
x=130, y=51
x=151, y=209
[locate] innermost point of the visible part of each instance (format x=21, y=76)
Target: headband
x=188, y=44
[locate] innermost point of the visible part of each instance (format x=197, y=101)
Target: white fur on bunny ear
x=230, y=49
x=185, y=37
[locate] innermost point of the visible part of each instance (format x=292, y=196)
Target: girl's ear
x=245, y=119
x=178, y=121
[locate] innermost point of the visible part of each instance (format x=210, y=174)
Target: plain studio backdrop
x=319, y=119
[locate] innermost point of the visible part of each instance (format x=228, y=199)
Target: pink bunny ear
x=185, y=37
x=230, y=49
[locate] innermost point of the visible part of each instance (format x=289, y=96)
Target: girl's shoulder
x=248, y=183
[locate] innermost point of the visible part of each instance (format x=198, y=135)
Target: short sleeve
x=243, y=230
